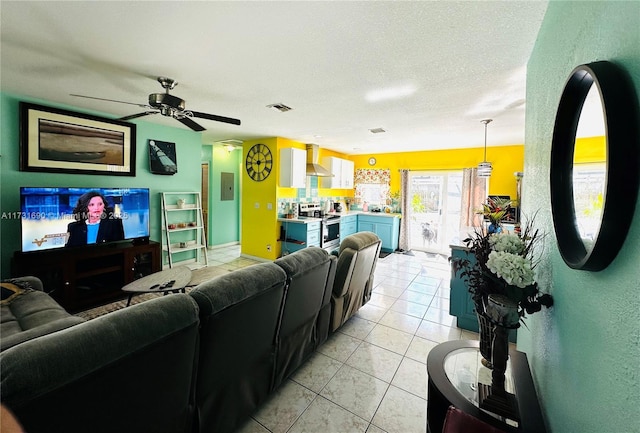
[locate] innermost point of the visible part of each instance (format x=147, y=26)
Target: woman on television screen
x=95, y=221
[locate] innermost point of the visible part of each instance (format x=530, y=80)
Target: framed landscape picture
x=61, y=141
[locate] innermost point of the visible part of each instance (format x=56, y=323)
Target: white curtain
x=405, y=202
x=474, y=193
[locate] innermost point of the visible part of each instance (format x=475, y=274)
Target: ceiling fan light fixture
x=485, y=168
x=279, y=106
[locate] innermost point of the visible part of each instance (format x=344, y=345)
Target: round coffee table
x=171, y=280
x=454, y=372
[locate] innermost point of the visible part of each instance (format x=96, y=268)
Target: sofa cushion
x=11, y=289
x=306, y=310
x=128, y=371
x=27, y=313
x=239, y=314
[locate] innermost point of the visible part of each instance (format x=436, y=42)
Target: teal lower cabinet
x=299, y=235
x=460, y=303
x=348, y=225
x=386, y=226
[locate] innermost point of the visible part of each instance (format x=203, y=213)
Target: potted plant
x=495, y=210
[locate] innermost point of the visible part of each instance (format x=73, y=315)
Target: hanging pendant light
x=485, y=168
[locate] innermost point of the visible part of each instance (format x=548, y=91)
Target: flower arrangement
x=504, y=264
x=495, y=209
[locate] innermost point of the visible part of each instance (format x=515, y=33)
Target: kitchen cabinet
x=293, y=168
x=300, y=234
x=387, y=227
x=461, y=306
x=342, y=171
x=348, y=171
x=348, y=225
x=183, y=226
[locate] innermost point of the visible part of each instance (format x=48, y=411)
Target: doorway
x=434, y=211
x=204, y=188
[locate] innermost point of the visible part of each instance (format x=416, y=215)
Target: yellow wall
x=506, y=160
x=590, y=149
x=259, y=226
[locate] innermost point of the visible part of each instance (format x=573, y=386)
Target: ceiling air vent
x=377, y=130
x=280, y=107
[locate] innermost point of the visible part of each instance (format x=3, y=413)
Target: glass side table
x=454, y=371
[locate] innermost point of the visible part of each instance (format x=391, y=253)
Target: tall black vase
x=486, y=335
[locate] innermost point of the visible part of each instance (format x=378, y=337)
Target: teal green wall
x=585, y=351
x=224, y=217
x=188, y=146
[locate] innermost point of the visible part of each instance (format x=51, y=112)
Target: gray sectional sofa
x=185, y=363
x=196, y=362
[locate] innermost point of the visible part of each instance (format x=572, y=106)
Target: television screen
x=59, y=217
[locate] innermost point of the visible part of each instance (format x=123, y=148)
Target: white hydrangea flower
x=514, y=269
x=506, y=242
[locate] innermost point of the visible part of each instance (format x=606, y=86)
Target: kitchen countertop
x=308, y=220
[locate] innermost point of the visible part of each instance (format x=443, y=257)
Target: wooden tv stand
x=84, y=277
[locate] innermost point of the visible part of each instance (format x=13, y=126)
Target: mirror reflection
x=589, y=167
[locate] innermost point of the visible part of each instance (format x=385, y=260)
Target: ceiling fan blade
x=190, y=123
x=216, y=118
x=111, y=100
x=135, y=116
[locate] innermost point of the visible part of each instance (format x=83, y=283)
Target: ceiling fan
x=170, y=106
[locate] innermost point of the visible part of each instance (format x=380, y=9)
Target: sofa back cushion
x=239, y=315
x=354, y=275
x=131, y=370
x=310, y=273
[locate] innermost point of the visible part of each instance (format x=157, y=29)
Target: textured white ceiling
x=450, y=64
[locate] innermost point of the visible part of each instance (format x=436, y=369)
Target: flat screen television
x=46, y=215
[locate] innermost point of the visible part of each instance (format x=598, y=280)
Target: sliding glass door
x=434, y=215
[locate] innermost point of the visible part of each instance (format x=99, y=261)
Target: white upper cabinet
x=348, y=171
x=293, y=168
x=342, y=170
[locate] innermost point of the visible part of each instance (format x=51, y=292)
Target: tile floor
x=370, y=376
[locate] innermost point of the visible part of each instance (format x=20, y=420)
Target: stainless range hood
x=313, y=167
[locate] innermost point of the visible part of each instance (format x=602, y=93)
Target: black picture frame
x=162, y=157
x=60, y=141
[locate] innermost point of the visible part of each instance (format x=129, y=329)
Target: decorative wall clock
x=259, y=162
x=372, y=161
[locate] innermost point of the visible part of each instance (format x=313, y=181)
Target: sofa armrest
x=33, y=282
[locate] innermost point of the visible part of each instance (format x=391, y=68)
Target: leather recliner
x=353, y=282
x=306, y=308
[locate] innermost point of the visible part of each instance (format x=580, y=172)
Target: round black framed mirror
x=620, y=189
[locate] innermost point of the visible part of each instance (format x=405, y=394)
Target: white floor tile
x=327, y=417
x=401, y=412
x=358, y=392
x=390, y=339
x=376, y=361
x=284, y=407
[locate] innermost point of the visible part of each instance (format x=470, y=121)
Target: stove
x=309, y=210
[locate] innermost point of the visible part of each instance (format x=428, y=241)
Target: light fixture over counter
x=485, y=168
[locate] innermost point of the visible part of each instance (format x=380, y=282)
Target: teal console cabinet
x=460, y=303
x=386, y=226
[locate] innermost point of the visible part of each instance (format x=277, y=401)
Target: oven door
x=331, y=233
